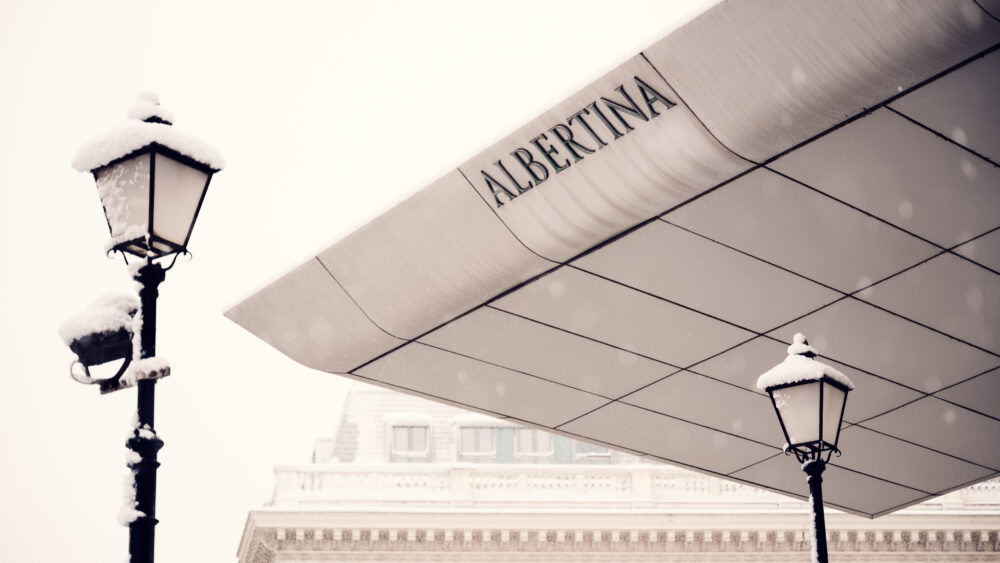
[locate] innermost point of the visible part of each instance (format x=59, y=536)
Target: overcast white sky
x=327, y=113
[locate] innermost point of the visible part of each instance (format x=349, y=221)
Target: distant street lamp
x=809, y=397
x=151, y=179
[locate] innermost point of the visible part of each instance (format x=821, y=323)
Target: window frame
x=395, y=452
x=590, y=455
x=478, y=428
x=533, y=454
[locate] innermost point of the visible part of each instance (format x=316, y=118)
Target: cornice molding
x=270, y=544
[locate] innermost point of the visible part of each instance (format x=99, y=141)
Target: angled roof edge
x=735, y=87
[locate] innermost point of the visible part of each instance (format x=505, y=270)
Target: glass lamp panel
x=176, y=195
x=124, y=192
x=798, y=407
x=833, y=410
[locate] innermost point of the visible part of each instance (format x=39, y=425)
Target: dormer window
x=408, y=437
x=483, y=439
x=477, y=443
x=533, y=446
x=590, y=453
x=410, y=441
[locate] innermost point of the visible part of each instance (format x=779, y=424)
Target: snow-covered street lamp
x=151, y=180
x=809, y=398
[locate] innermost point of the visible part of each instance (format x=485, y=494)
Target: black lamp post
x=151, y=179
x=809, y=398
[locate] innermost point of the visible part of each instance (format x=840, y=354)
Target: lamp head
x=809, y=398
x=152, y=179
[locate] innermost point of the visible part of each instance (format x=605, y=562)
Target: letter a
x=496, y=188
x=651, y=96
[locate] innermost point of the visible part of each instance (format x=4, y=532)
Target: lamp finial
x=147, y=108
x=800, y=347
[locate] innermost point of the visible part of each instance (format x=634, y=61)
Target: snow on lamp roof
x=800, y=365
x=147, y=123
x=147, y=106
x=107, y=314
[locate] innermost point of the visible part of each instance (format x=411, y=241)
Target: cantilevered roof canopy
x=622, y=268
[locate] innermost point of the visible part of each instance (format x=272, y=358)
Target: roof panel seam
x=940, y=135
x=733, y=385
x=970, y=409
x=646, y=454
x=852, y=206
x=688, y=369
x=437, y=398
x=865, y=371
x=542, y=323
x=502, y=222
x=854, y=294
x=904, y=440
x=691, y=109
x=353, y=300
x=988, y=13
x=883, y=479
x=508, y=368
x=967, y=484
x=885, y=102
x=661, y=298
x=457, y=317
x=928, y=327
x=578, y=417
x=754, y=256
x=705, y=426
x=901, y=506
x=755, y=463
x=556, y=266
x=968, y=259
x=957, y=383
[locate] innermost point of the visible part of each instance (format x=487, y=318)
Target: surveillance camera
x=102, y=347
x=102, y=333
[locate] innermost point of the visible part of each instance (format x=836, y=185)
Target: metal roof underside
x=825, y=170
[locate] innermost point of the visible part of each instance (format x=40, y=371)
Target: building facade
x=405, y=479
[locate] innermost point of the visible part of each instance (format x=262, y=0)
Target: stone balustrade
x=549, y=485
x=608, y=486
x=612, y=486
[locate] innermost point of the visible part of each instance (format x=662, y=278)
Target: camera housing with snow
x=102, y=347
x=102, y=333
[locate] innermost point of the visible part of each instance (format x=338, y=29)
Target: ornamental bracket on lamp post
x=151, y=179
x=809, y=398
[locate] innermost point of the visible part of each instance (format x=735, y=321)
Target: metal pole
x=814, y=470
x=144, y=441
